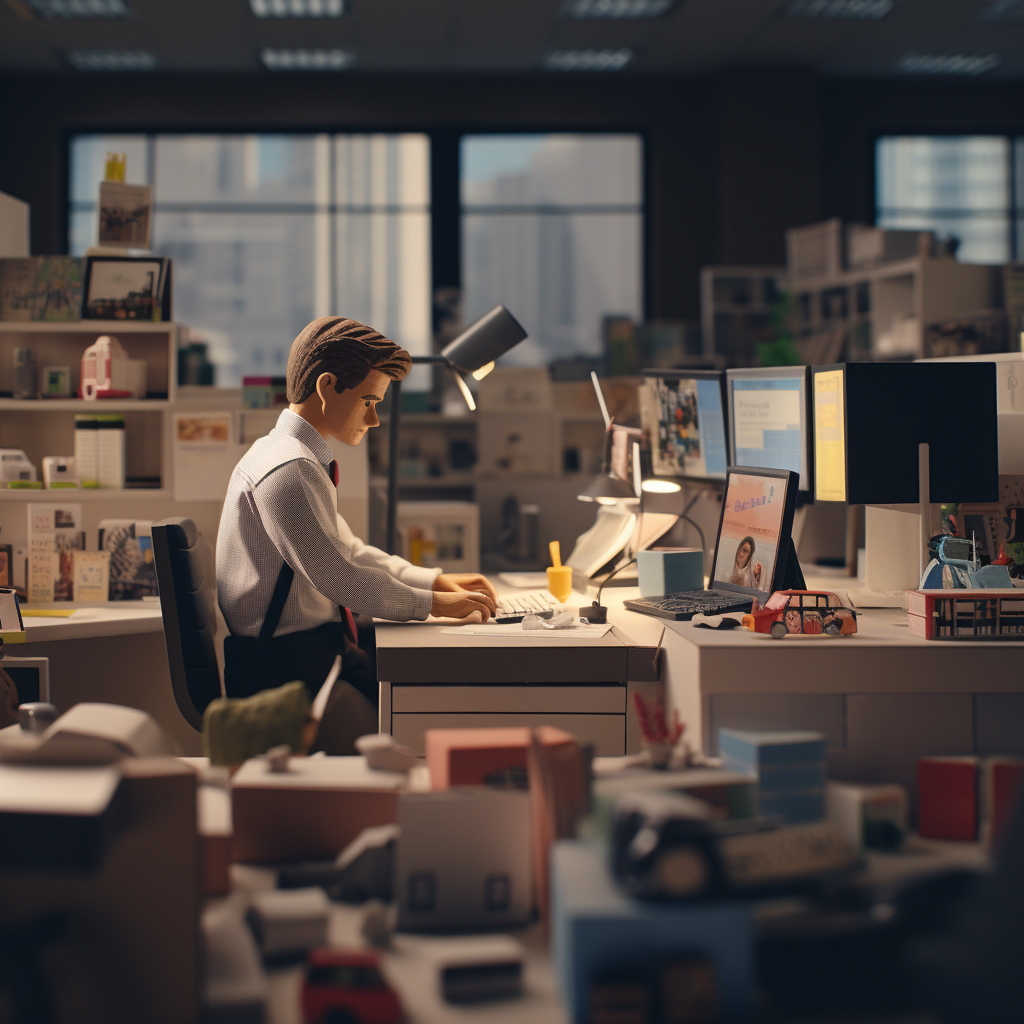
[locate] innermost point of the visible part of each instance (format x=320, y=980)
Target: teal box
x=669, y=572
x=596, y=928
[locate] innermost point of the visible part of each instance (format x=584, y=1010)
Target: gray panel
x=822, y=712
x=887, y=733
x=999, y=723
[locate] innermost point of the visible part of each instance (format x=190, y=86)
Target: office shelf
x=80, y=405
x=76, y=495
x=86, y=326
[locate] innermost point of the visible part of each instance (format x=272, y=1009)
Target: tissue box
x=669, y=572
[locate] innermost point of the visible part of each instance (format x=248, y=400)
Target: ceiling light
x=588, y=60
x=617, y=8
x=948, y=63
x=297, y=8
x=865, y=10
x=111, y=60
x=80, y=8
x=306, y=60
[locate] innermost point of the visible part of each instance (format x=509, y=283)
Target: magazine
x=55, y=533
x=132, y=570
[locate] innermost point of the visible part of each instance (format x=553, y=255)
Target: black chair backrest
x=186, y=602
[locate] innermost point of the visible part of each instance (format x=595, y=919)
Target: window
x=968, y=186
x=268, y=232
x=552, y=226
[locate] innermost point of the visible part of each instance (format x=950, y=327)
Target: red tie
x=350, y=620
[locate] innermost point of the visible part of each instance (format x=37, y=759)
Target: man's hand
x=456, y=581
x=458, y=604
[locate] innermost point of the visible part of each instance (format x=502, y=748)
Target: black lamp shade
x=484, y=341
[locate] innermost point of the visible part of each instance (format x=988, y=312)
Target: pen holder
x=669, y=572
x=560, y=582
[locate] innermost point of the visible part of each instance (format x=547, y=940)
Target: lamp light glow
x=659, y=486
x=466, y=393
x=483, y=371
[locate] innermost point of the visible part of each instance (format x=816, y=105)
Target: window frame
x=1014, y=211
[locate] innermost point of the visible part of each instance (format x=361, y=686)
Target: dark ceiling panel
x=699, y=36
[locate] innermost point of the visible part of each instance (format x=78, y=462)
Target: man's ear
x=324, y=384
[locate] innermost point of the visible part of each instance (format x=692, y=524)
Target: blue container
x=596, y=927
x=669, y=572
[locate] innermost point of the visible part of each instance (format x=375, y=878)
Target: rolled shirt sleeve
x=295, y=507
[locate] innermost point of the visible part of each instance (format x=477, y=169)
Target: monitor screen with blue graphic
x=682, y=415
x=768, y=419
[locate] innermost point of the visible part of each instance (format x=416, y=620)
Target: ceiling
x=698, y=36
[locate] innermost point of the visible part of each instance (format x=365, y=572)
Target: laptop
x=754, y=553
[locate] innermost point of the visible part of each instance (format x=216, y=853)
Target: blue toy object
x=598, y=930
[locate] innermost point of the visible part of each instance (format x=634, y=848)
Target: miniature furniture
x=188, y=607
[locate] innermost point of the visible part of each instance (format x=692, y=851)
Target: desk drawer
x=606, y=732
x=571, y=700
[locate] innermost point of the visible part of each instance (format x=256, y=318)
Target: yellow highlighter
x=559, y=576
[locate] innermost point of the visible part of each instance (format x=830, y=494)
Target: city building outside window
x=967, y=186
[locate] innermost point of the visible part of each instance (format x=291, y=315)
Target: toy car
x=803, y=612
x=347, y=987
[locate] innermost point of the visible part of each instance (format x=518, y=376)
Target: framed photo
x=127, y=288
x=126, y=214
x=6, y=565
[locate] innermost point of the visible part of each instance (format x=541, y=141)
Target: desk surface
x=425, y=652
x=119, y=618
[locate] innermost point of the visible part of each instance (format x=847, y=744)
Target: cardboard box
x=130, y=927
x=477, y=757
x=312, y=811
x=464, y=860
x=947, y=797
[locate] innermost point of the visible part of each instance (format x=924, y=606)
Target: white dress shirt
x=281, y=505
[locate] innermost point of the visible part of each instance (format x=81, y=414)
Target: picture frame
x=127, y=288
x=126, y=214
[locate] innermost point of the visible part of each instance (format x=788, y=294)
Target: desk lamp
x=473, y=351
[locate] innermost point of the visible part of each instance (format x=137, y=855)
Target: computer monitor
x=769, y=419
x=869, y=419
x=682, y=415
x=754, y=552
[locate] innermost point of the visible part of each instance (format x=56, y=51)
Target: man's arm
x=295, y=508
x=366, y=554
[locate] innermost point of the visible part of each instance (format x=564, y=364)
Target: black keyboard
x=690, y=603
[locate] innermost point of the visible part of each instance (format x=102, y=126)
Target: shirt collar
x=295, y=426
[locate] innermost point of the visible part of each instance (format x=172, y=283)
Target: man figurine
x=289, y=570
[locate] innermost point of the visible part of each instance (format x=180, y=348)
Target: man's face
x=349, y=415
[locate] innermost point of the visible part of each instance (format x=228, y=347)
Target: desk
x=433, y=679
x=882, y=698
x=113, y=654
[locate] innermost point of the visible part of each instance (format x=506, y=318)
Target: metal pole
x=394, y=416
x=924, y=505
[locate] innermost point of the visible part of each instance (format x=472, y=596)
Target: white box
x=440, y=533
x=464, y=859
x=815, y=250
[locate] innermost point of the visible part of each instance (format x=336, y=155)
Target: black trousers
x=307, y=655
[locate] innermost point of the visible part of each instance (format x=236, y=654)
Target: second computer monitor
x=769, y=419
x=682, y=414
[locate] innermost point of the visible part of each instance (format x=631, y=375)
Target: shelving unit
x=736, y=304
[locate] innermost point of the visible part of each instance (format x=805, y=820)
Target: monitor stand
x=793, y=577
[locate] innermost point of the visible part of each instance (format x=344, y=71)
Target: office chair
x=187, y=606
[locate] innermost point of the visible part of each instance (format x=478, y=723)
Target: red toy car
x=346, y=987
x=803, y=612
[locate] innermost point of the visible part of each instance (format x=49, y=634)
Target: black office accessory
x=754, y=551
x=769, y=420
x=869, y=419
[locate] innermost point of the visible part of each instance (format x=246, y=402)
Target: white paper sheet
x=515, y=631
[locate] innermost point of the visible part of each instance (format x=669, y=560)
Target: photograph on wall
x=126, y=214
x=751, y=524
x=126, y=289
x=45, y=288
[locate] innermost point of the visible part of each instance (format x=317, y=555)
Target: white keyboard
x=515, y=606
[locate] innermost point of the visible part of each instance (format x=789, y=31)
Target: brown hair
x=346, y=348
